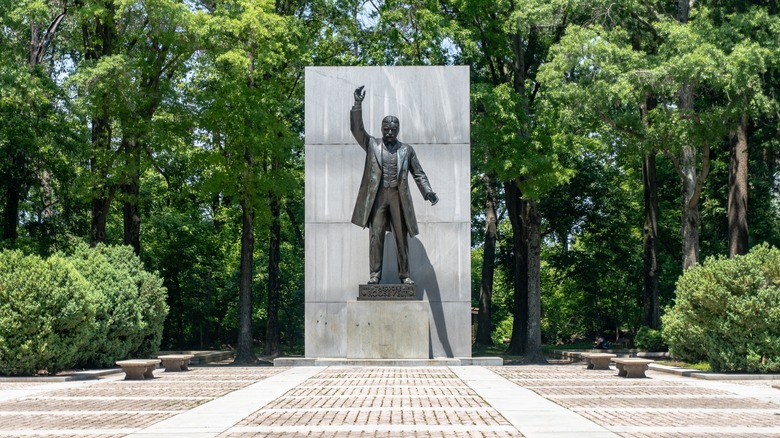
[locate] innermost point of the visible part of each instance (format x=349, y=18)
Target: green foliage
x=503, y=330
x=46, y=312
x=590, y=281
x=193, y=88
x=92, y=308
x=648, y=339
x=130, y=309
x=727, y=312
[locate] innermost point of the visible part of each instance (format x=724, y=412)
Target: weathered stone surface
x=387, y=330
x=325, y=329
x=450, y=328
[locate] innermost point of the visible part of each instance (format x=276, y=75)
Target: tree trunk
x=533, y=348
x=11, y=210
x=514, y=203
x=102, y=189
x=244, y=352
x=177, y=293
x=484, y=327
x=690, y=209
x=683, y=10
x=690, y=219
x=738, y=191
x=650, y=314
x=130, y=192
x=272, y=326
x=98, y=43
x=13, y=195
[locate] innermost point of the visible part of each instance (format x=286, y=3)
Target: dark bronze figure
x=384, y=201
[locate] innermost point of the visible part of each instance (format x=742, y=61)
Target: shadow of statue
x=424, y=275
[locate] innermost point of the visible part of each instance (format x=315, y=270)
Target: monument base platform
x=344, y=362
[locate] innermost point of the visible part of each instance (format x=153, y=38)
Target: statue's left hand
x=432, y=197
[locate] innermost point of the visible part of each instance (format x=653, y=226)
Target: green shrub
x=131, y=305
x=503, y=331
x=728, y=312
x=648, y=339
x=45, y=314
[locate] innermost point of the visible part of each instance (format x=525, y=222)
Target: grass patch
x=701, y=366
x=499, y=350
x=492, y=350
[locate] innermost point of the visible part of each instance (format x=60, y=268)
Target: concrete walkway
x=509, y=401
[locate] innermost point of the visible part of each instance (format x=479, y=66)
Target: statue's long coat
x=372, y=176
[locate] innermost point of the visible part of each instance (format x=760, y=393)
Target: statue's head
x=390, y=127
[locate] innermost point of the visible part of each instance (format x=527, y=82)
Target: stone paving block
x=381, y=434
x=97, y=404
x=80, y=421
x=615, y=391
x=390, y=402
x=660, y=402
x=685, y=418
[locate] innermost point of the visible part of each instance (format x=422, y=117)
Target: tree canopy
x=614, y=145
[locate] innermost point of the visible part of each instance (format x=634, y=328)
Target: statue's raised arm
x=356, y=119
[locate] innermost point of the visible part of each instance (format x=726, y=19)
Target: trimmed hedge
x=46, y=310
x=131, y=309
x=727, y=312
x=91, y=308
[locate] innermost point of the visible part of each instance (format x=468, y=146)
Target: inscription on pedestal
x=386, y=292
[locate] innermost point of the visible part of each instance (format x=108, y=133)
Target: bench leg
x=599, y=364
x=636, y=372
x=172, y=365
x=149, y=373
x=134, y=373
x=621, y=369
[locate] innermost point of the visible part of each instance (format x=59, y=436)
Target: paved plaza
x=471, y=401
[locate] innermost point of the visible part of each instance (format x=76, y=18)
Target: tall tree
x=747, y=33
x=98, y=71
x=159, y=42
x=484, y=325
x=30, y=28
x=506, y=43
x=244, y=88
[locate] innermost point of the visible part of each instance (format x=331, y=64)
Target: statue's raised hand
x=360, y=94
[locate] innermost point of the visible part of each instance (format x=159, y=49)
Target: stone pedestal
x=387, y=330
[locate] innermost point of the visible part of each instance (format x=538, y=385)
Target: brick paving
x=661, y=406
x=391, y=402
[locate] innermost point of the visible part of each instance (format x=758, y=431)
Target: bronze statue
x=384, y=201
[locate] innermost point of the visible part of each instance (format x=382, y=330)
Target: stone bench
x=631, y=367
x=598, y=361
x=138, y=369
x=176, y=362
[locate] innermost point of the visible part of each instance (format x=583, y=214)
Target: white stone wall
x=432, y=104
